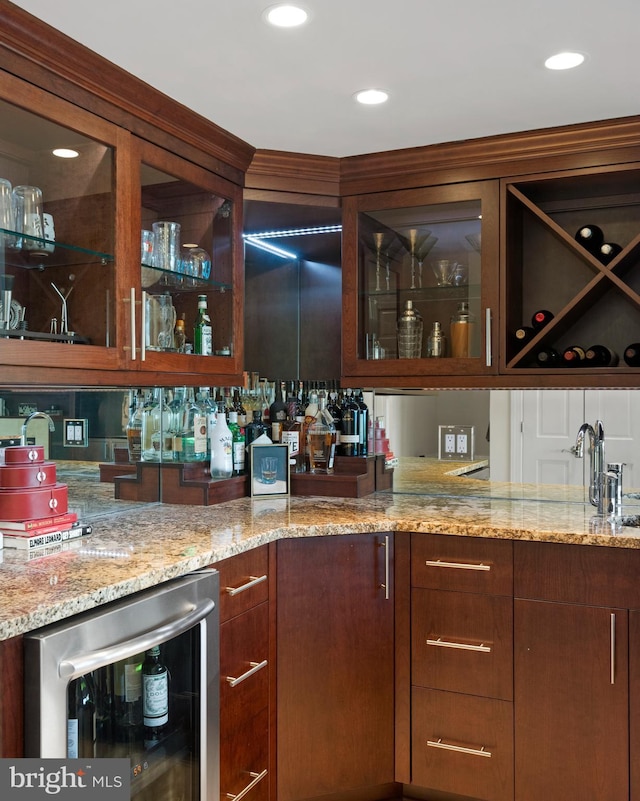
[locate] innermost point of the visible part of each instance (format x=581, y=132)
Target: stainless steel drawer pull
x=482, y=751
x=457, y=565
x=255, y=778
x=463, y=646
x=253, y=580
x=255, y=667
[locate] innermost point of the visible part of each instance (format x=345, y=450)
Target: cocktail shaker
x=436, y=343
x=409, y=333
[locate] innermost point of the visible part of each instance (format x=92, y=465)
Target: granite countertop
x=138, y=545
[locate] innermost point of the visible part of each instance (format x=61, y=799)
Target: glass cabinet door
x=57, y=235
x=426, y=272
x=189, y=275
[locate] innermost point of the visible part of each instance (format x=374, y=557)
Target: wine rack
x=593, y=302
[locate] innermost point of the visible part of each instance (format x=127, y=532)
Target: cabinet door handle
x=458, y=565
x=462, y=646
x=143, y=327
x=255, y=778
x=253, y=580
x=255, y=667
x=461, y=749
x=612, y=640
x=132, y=312
x=487, y=338
x=385, y=586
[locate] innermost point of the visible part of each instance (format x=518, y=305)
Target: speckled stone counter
x=135, y=545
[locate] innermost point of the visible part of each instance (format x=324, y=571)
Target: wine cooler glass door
x=151, y=698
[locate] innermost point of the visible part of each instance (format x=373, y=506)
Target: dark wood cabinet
x=244, y=676
x=335, y=666
x=571, y=702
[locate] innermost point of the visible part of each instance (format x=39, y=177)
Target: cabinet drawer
x=467, y=564
x=462, y=642
x=244, y=758
x=244, y=669
x=462, y=744
x=243, y=581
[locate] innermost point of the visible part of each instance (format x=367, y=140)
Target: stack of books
x=42, y=532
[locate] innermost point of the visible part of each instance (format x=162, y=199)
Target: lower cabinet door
x=462, y=744
x=244, y=755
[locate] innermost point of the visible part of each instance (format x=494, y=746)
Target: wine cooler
x=136, y=678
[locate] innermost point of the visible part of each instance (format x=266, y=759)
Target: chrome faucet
x=596, y=456
x=27, y=420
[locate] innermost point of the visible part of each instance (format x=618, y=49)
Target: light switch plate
x=456, y=443
x=76, y=433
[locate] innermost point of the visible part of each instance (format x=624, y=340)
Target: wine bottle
x=608, y=251
x=202, y=331
x=523, y=335
x=128, y=698
x=81, y=721
x=239, y=443
x=155, y=695
x=363, y=424
x=548, y=357
x=600, y=356
x=632, y=354
x=540, y=318
x=590, y=237
x=278, y=411
x=349, y=437
x=573, y=356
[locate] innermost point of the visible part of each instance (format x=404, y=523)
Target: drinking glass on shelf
x=7, y=219
x=166, y=245
x=27, y=206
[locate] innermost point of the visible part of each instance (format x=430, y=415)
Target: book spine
x=31, y=542
x=42, y=522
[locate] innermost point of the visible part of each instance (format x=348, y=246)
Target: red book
x=61, y=521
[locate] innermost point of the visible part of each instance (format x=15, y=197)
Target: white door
x=544, y=425
x=544, y=428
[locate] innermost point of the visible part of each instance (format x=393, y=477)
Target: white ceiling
x=456, y=69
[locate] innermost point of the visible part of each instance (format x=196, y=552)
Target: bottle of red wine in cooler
x=600, y=356
x=81, y=719
x=573, y=356
x=608, y=251
x=548, y=357
x=632, y=354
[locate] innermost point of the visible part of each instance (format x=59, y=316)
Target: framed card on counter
x=269, y=470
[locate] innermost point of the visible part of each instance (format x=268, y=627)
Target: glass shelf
x=155, y=278
x=46, y=253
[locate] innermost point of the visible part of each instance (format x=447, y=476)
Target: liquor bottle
x=190, y=441
x=632, y=354
x=349, y=437
x=239, y=443
x=548, y=357
x=363, y=424
x=600, y=356
x=540, y=318
x=134, y=429
x=81, y=720
x=256, y=427
x=321, y=439
x=157, y=439
x=155, y=696
x=608, y=251
x=103, y=679
x=333, y=405
x=573, y=356
x=590, y=237
x=202, y=331
x=310, y=412
x=278, y=411
x=209, y=410
x=238, y=407
x=291, y=434
x=180, y=335
x=221, y=448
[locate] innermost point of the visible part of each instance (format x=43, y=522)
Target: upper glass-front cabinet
x=420, y=281
x=57, y=235
x=188, y=308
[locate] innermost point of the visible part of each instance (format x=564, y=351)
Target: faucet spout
x=596, y=456
x=27, y=420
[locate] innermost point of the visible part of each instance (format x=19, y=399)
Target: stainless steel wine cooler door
x=86, y=679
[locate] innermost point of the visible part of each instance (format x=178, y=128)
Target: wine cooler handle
x=487, y=337
x=80, y=664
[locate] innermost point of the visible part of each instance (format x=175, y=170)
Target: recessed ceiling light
x=372, y=97
x=564, y=61
x=65, y=153
x=286, y=16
